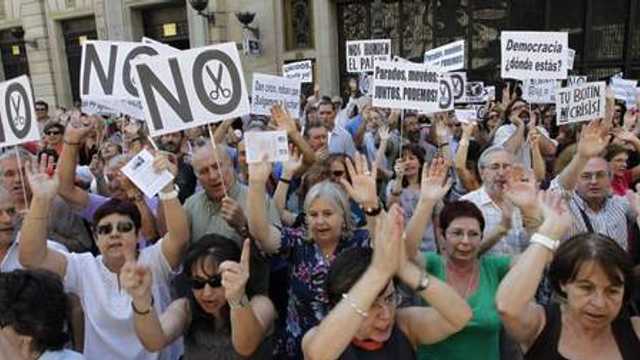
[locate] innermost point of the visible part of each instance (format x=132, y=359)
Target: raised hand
x=283, y=119
x=362, y=188
x=521, y=189
x=442, y=131
x=626, y=135
x=593, y=140
x=557, y=217
x=467, y=129
x=161, y=162
x=389, y=249
x=534, y=138
x=235, y=275
x=293, y=165
x=630, y=119
x=233, y=214
x=398, y=168
x=42, y=179
x=384, y=133
x=136, y=281
x=434, y=184
x=259, y=172
x=78, y=128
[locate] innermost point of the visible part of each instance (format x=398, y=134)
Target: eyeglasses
x=199, y=284
x=392, y=299
x=52, y=133
x=600, y=175
x=122, y=227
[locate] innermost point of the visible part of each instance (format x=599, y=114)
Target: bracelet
x=286, y=181
x=138, y=312
x=372, y=211
x=242, y=303
x=71, y=143
x=168, y=196
x=545, y=241
x=424, y=283
x=353, y=305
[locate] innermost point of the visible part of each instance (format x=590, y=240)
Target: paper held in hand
x=141, y=172
x=272, y=144
x=466, y=115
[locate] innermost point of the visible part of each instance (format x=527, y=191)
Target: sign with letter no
x=17, y=113
x=195, y=87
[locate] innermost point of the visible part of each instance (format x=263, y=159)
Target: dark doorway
x=76, y=32
x=14, y=55
x=167, y=24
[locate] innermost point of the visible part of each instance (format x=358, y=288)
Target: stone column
x=325, y=29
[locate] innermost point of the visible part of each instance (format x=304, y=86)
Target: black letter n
x=91, y=59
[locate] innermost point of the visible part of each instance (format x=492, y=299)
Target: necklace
x=470, y=282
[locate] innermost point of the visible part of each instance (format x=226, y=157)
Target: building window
x=298, y=24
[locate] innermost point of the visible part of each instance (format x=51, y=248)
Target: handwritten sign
x=580, y=103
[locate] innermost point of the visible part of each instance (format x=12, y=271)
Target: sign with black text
x=447, y=58
x=580, y=103
x=406, y=86
x=269, y=90
x=540, y=91
x=18, y=122
x=195, y=87
x=624, y=90
x=301, y=71
x=534, y=55
x=361, y=54
x=573, y=80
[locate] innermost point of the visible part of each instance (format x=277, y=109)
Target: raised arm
x=289, y=170
x=469, y=181
x=33, y=250
x=267, y=236
x=521, y=316
x=516, y=140
x=286, y=123
x=384, y=134
x=75, y=133
x=593, y=140
x=363, y=189
x=537, y=161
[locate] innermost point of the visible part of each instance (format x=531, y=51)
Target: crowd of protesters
x=387, y=234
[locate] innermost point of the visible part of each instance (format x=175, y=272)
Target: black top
x=546, y=345
x=398, y=347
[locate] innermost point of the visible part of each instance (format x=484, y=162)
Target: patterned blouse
x=308, y=301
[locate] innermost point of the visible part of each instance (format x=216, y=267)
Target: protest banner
x=18, y=122
x=270, y=146
x=362, y=54
x=624, y=90
x=540, y=91
x=406, y=86
x=269, y=90
x=447, y=58
x=459, y=83
x=142, y=174
x=466, y=115
x=301, y=71
x=446, y=93
x=195, y=87
x=574, y=80
x=534, y=55
x=580, y=103
x=571, y=58
x=474, y=92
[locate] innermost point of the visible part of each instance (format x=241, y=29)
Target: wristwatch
x=424, y=283
x=243, y=302
x=545, y=241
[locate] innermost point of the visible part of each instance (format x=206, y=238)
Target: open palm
x=43, y=182
x=362, y=188
x=434, y=184
x=522, y=190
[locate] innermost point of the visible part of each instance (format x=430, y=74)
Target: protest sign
x=466, y=115
x=571, y=58
x=301, y=71
x=580, y=103
x=269, y=90
x=406, y=86
x=108, y=106
x=169, y=48
x=534, y=55
x=361, y=55
x=194, y=88
x=574, y=80
x=474, y=92
x=270, y=144
x=624, y=90
x=142, y=174
x=541, y=91
x=491, y=93
x=459, y=83
x=446, y=93
x=18, y=122
x=447, y=58
x=365, y=83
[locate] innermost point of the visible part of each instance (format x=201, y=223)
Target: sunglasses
x=52, y=133
x=41, y=109
x=122, y=227
x=214, y=281
x=337, y=173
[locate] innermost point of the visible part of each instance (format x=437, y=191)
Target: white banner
x=406, y=86
x=301, y=71
x=270, y=144
x=361, y=55
x=195, y=87
x=624, y=90
x=540, y=91
x=447, y=58
x=534, y=55
x=269, y=90
x=18, y=122
x=580, y=103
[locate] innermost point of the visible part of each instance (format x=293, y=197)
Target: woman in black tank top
x=593, y=277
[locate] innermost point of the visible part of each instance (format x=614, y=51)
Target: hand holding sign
x=236, y=275
x=162, y=163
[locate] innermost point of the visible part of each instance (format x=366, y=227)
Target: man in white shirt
x=109, y=331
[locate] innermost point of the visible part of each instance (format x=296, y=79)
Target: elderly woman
x=217, y=318
x=310, y=250
x=364, y=322
x=594, y=277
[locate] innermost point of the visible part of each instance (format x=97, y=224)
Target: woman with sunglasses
x=53, y=132
x=365, y=322
x=220, y=318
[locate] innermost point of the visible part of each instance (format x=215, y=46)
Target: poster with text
x=301, y=71
x=447, y=58
x=580, y=103
x=406, y=86
x=534, y=55
x=361, y=54
x=269, y=90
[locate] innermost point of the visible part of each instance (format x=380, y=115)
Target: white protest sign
x=365, y=83
x=580, y=103
x=574, y=80
x=406, y=86
x=571, y=58
x=269, y=90
x=534, y=55
x=446, y=93
x=447, y=58
x=108, y=106
x=142, y=174
x=301, y=71
x=18, y=122
x=540, y=91
x=361, y=55
x=146, y=40
x=624, y=90
x=459, y=83
x=491, y=93
x=197, y=87
x=474, y=92
x=466, y=115
x=272, y=144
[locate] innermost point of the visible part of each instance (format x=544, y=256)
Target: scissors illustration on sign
x=18, y=120
x=219, y=89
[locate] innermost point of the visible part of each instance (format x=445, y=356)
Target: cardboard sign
x=446, y=101
x=474, y=92
x=540, y=91
x=361, y=55
x=18, y=122
x=624, y=90
x=571, y=57
x=447, y=58
x=574, y=80
x=269, y=90
x=142, y=174
x=466, y=115
x=273, y=144
x=534, y=55
x=459, y=83
x=406, y=86
x=194, y=88
x=301, y=71
x=580, y=103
